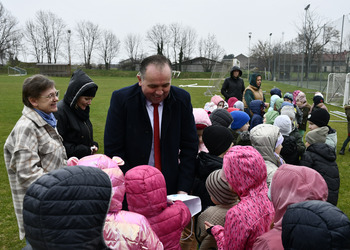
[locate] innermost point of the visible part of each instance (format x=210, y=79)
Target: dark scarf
x=49, y=118
x=82, y=114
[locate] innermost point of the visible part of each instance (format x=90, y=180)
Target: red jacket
x=146, y=194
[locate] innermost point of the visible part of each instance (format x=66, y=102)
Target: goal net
x=338, y=92
x=16, y=71
x=220, y=71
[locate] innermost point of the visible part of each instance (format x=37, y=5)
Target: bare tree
x=57, y=34
x=45, y=34
x=132, y=45
x=210, y=52
x=9, y=35
x=182, y=42
x=188, y=43
x=175, y=33
x=158, y=36
x=261, y=53
x=109, y=47
x=88, y=35
x=32, y=35
x=314, y=36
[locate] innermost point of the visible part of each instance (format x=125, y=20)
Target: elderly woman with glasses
x=73, y=116
x=34, y=146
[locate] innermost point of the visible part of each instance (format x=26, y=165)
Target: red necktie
x=157, y=161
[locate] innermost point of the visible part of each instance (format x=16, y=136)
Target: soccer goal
x=219, y=73
x=338, y=92
x=16, y=71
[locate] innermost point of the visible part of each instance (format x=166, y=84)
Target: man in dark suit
x=129, y=125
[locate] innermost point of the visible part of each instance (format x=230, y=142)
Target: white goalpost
x=16, y=71
x=218, y=75
x=338, y=92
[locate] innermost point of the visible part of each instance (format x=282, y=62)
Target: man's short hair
x=158, y=60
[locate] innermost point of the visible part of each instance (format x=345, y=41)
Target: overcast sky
x=229, y=20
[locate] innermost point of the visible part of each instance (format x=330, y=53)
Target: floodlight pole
x=270, y=56
x=250, y=36
x=69, y=33
x=302, y=63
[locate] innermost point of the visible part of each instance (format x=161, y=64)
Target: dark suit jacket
x=128, y=134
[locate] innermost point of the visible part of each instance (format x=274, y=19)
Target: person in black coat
x=129, y=125
x=73, y=116
x=66, y=209
x=233, y=86
x=321, y=157
x=218, y=140
x=314, y=225
x=289, y=151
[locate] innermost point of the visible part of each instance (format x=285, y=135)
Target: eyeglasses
x=52, y=95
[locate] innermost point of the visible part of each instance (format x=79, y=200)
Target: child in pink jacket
x=147, y=195
x=122, y=229
x=290, y=184
x=245, y=171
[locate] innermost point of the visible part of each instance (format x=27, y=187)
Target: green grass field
x=11, y=107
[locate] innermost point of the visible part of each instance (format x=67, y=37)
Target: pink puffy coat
x=245, y=172
x=290, y=184
x=122, y=229
x=146, y=194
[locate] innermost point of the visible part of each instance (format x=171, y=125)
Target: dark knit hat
x=318, y=135
x=219, y=189
x=91, y=92
x=239, y=119
x=320, y=117
x=276, y=91
x=217, y=139
x=317, y=99
x=221, y=117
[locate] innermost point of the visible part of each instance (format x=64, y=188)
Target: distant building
x=52, y=69
x=129, y=64
x=243, y=61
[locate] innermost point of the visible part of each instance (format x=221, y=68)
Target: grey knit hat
x=318, y=135
x=221, y=117
x=219, y=189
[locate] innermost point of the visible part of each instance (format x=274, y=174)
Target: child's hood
x=256, y=107
x=145, y=190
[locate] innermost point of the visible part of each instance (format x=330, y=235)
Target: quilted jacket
x=322, y=158
x=117, y=233
x=315, y=225
x=146, y=194
x=66, y=209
